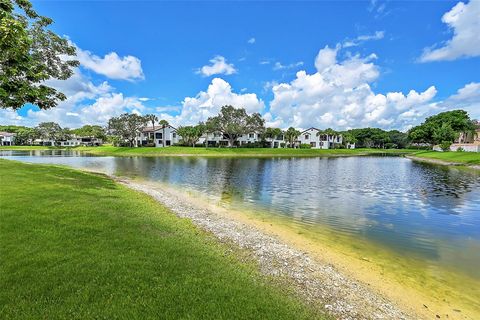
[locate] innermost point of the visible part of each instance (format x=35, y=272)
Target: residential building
x=76, y=141
x=158, y=135
x=467, y=141
x=154, y=136
x=319, y=140
x=7, y=139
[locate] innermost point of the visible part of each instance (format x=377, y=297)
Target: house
x=7, y=139
x=158, y=135
x=318, y=140
x=277, y=142
x=79, y=141
x=467, y=141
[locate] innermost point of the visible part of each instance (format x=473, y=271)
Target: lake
x=426, y=212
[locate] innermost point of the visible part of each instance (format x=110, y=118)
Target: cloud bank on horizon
x=339, y=93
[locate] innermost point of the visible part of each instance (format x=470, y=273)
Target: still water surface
x=421, y=210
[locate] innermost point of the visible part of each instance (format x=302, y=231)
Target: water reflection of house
x=468, y=141
x=7, y=139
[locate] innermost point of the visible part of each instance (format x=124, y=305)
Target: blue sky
x=359, y=60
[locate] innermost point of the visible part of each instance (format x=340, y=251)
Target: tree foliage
x=23, y=135
x=233, y=123
x=90, y=131
x=457, y=120
x=50, y=131
x=272, y=133
x=191, y=134
x=291, y=136
x=127, y=126
x=30, y=53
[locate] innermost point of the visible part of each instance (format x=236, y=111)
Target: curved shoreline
x=316, y=281
x=442, y=162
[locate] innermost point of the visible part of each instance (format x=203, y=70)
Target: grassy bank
x=78, y=245
x=456, y=157
x=108, y=150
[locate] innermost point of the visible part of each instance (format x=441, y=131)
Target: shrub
x=460, y=149
x=283, y=144
x=391, y=145
x=305, y=146
x=445, y=145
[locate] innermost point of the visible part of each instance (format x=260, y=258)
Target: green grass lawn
x=108, y=150
x=470, y=158
x=75, y=245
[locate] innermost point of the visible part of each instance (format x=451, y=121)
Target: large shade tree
x=30, y=53
x=457, y=120
x=90, y=131
x=50, y=131
x=191, y=134
x=235, y=122
x=127, y=126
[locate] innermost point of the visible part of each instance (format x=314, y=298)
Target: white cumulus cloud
x=218, y=65
x=112, y=65
x=464, y=20
x=208, y=103
x=339, y=95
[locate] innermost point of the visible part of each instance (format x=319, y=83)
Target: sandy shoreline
x=319, y=283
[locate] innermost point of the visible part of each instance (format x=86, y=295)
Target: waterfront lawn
x=78, y=245
x=470, y=158
x=233, y=152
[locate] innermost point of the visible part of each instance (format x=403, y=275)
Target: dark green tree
x=233, y=123
x=30, y=53
x=191, y=134
x=291, y=136
x=457, y=120
x=90, y=131
x=126, y=127
x=49, y=131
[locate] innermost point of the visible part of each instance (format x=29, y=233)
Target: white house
x=159, y=135
x=7, y=139
x=79, y=141
x=317, y=139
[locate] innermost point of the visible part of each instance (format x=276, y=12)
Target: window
x=307, y=136
x=251, y=135
x=313, y=144
x=174, y=135
x=158, y=135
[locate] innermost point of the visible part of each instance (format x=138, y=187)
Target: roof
x=156, y=128
x=311, y=128
x=7, y=134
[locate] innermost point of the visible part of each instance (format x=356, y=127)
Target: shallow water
x=424, y=211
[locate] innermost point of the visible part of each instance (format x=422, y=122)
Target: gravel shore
x=317, y=282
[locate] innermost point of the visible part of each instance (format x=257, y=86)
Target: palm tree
x=291, y=135
x=164, y=124
x=152, y=118
x=330, y=132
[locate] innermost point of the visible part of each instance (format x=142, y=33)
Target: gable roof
x=150, y=129
x=311, y=128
